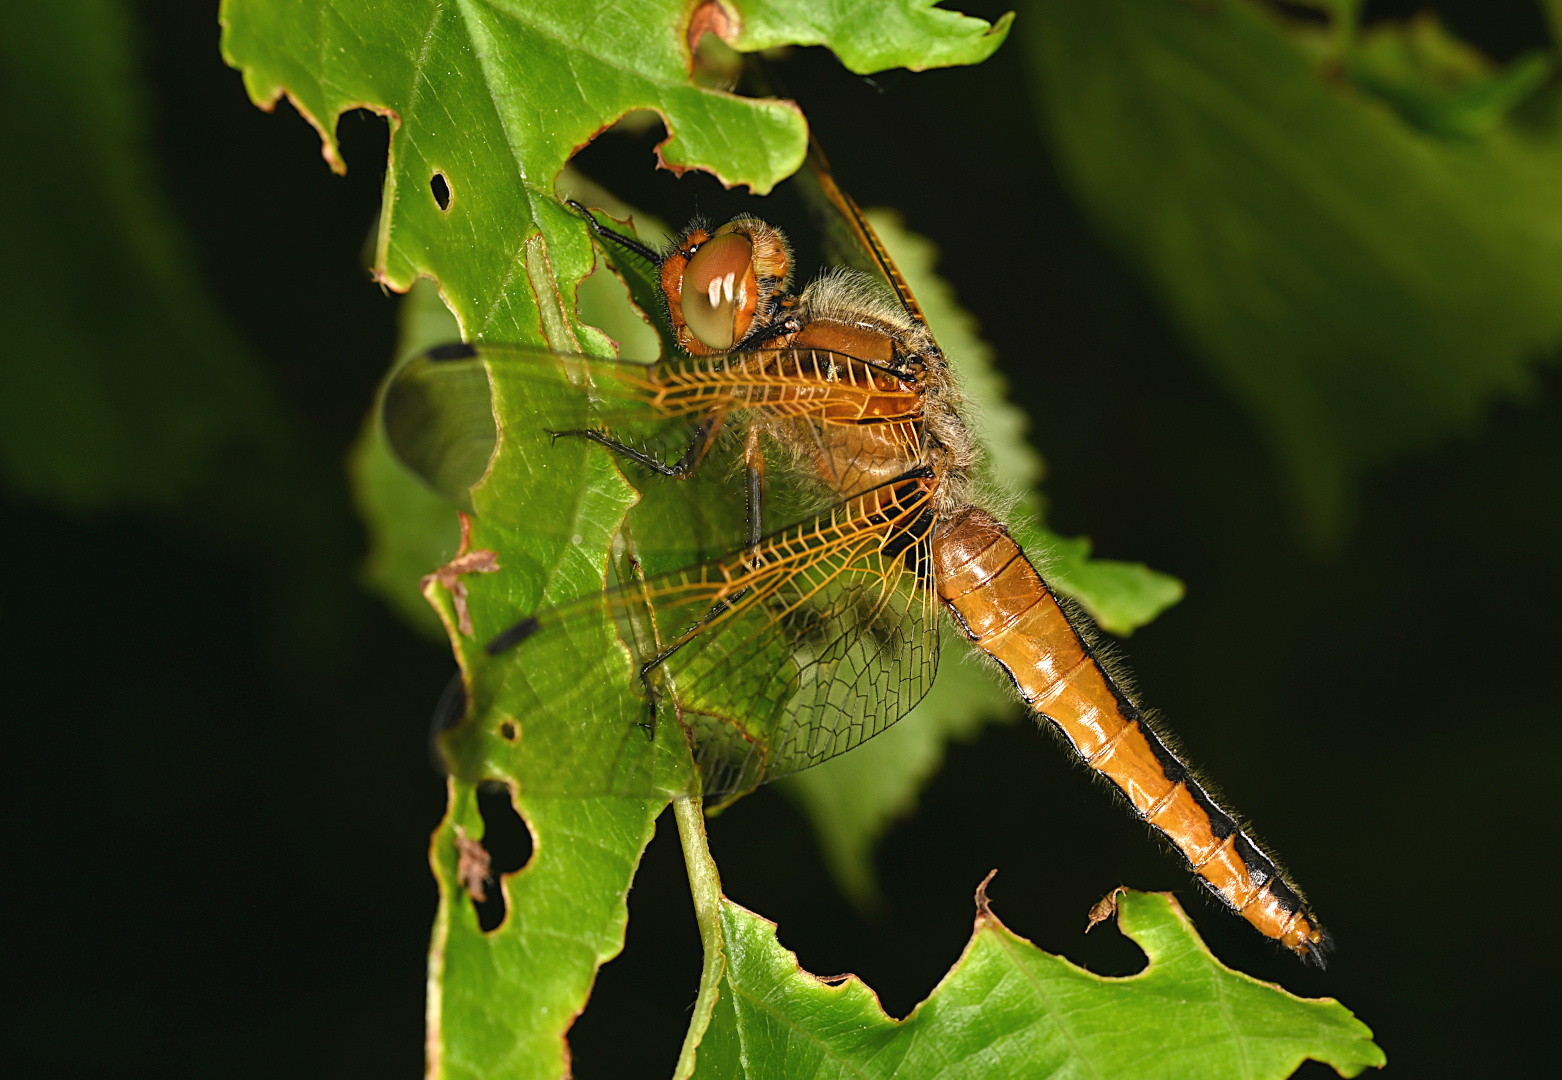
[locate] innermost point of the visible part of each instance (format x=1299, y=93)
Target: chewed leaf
x=488, y=101
x=507, y=995
x=469, y=195
x=1008, y=1009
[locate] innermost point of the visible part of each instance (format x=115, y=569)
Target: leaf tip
x=984, y=911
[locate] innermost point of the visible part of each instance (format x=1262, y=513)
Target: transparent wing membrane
x=687, y=413
x=770, y=659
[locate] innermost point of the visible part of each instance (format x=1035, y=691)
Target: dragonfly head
x=726, y=286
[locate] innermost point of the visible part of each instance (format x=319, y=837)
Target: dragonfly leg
x=754, y=467
x=653, y=701
x=652, y=694
x=687, y=463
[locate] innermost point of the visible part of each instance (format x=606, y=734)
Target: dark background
x=218, y=835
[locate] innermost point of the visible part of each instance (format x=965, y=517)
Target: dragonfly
x=793, y=645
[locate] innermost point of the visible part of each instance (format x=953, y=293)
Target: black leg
x=684, y=466
x=653, y=701
x=651, y=693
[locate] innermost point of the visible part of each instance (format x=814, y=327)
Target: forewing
x=439, y=409
x=439, y=415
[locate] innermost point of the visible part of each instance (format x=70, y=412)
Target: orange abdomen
x=1011, y=614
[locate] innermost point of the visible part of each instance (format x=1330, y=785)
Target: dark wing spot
x=513, y=636
x=455, y=350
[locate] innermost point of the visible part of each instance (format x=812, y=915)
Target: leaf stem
x=705, y=885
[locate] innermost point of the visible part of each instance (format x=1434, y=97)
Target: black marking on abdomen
x=1221, y=824
x=1171, y=765
x=1286, y=896
x=455, y=350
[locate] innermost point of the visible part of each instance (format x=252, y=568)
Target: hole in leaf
x=507, y=731
x=509, y=845
x=441, y=189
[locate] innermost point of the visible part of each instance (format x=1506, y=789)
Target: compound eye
x=719, y=290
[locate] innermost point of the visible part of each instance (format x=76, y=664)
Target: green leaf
x=871, y=35
x=490, y=100
x=494, y=98
x=1120, y=596
x=1363, y=286
x=852, y=800
x=500, y=1002
x=1007, y=1009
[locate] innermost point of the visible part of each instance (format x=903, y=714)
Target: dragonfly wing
x=841, y=647
x=446, y=412
x=438, y=418
x=774, y=658
x=857, y=226
x=564, y=714
x=442, y=410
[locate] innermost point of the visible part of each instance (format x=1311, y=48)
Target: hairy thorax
x=849, y=317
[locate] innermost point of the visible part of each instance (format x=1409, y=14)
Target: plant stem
x=705, y=885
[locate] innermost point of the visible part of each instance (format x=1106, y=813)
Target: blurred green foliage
x=125, y=385
x=1367, y=261
x=469, y=202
